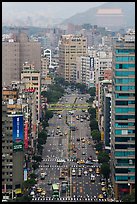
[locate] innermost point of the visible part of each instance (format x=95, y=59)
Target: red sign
x=29, y=90
x=26, y=135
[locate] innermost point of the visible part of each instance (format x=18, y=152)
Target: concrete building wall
x=70, y=47
x=123, y=116
x=15, y=54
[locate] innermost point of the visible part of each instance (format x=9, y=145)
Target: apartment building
x=12, y=150
x=15, y=52
x=32, y=79
x=85, y=71
x=70, y=47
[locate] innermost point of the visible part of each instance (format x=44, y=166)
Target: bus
x=55, y=190
x=92, y=178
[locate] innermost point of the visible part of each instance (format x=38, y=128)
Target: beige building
x=70, y=47
x=15, y=52
x=32, y=79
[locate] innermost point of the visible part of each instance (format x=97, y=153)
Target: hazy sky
x=50, y=9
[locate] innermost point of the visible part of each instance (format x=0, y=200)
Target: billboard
x=91, y=63
x=25, y=175
x=17, y=132
x=26, y=135
x=31, y=90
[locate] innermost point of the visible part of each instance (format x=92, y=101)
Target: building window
x=34, y=78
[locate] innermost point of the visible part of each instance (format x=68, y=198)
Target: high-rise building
x=123, y=115
x=70, y=47
x=85, y=71
x=12, y=147
x=15, y=52
x=32, y=79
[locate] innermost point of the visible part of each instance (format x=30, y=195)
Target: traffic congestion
x=69, y=170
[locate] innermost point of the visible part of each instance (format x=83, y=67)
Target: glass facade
x=123, y=114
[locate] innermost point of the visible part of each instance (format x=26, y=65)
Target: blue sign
x=18, y=129
x=25, y=174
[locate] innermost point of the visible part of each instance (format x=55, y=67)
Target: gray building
x=15, y=52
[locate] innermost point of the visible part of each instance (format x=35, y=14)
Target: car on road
x=103, y=189
x=83, y=153
x=97, y=170
x=49, y=182
x=90, y=170
x=79, y=172
x=103, y=183
x=32, y=193
x=97, y=152
x=81, y=162
x=73, y=172
x=92, y=178
x=85, y=173
x=63, y=188
x=100, y=196
x=39, y=190
x=89, y=162
x=43, y=193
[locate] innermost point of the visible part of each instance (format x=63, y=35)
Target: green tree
x=48, y=114
x=99, y=146
x=35, y=165
x=129, y=197
x=28, y=184
x=90, y=100
x=93, y=124
x=37, y=158
x=41, y=141
x=96, y=135
x=24, y=198
x=42, y=134
x=105, y=170
x=82, y=87
x=33, y=176
x=60, y=81
x=103, y=157
x=40, y=148
x=92, y=112
x=92, y=91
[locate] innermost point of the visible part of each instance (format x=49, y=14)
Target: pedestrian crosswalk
x=55, y=159
x=58, y=166
x=68, y=199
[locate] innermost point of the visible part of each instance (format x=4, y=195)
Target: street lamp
x=130, y=188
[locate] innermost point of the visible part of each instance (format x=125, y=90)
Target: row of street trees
x=103, y=157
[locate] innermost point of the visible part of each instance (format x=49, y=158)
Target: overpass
x=60, y=107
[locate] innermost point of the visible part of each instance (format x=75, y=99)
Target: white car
x=86, y=173
x=32, y=193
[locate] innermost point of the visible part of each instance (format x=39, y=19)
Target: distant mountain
x=90, y=16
